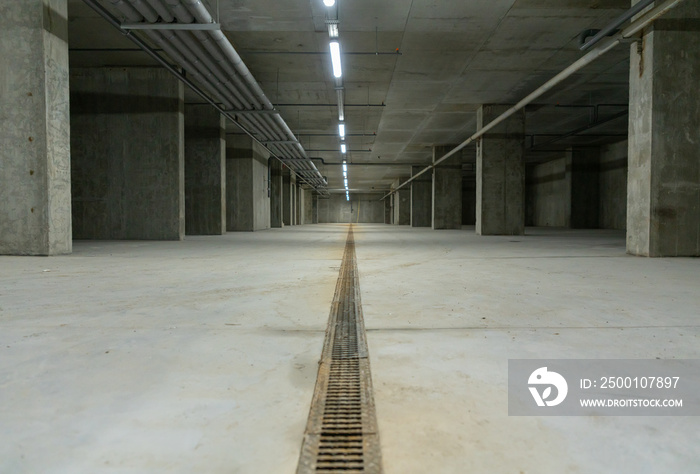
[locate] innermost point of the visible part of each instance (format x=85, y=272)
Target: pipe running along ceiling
x=208, y=57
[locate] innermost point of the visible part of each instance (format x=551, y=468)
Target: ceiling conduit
x=210, y=59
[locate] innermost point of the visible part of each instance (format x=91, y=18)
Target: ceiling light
x=343, y=148
x=341, y=114
x=347, y=197
x=333, y=30
x=345, y=174
x=329, y=3
x=341, y=130
x=345, y=165
x=335, y=58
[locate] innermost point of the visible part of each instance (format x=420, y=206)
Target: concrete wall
x=421, y=198
x=469, y=201
x=308, y=217
x=584, y=187
x=613, y=186
x=248, y=204
x=275, y=193
x=402, y=203
x=35, y=187
x=549, y=194
x=362, y=208
x=127, y=166
x=205, y=171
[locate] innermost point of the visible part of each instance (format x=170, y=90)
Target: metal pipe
x=585, y=60
x=616, y=23
x=132, y=15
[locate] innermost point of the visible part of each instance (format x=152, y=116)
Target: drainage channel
x=341, y=433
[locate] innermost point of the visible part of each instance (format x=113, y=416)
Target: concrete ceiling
x=415, y=71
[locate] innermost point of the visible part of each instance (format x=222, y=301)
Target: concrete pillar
x=128, y=154
x=402, y=203
x=35, y=186
x=585, y=172
x=287, y=206
x=205, y=171
x=276, y=188
x=447, y=190
x=387, y=210
x=308, y=206
x=294, y=200
x=421, y=198
x=314, y=217
x=247, y=202
x=500, y=174
x=663, y=197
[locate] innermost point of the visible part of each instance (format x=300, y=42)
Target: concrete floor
x=200, y=356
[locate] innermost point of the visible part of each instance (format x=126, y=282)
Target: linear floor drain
x=341, y=433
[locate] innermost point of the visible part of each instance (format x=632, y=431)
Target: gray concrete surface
x=613, y=186
x=276, y=193
x=500, y=174
x=444, y=311
x=205, y=171
x=362, y=208
x=247, y=202
x=204, y=359
x=127, y=154
x=421, y=198
x=287, y=203
x=549, y=193
x=35, y=184
x=663, y=204
x=585, y=187
x=447, y=190
x=401, y=204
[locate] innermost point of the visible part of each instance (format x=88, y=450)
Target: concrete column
x=402, y=203
x=247, y=202
x=35, y=186
x=294, y=200
x=308, y=206
x=447, y=190
x=421, y=198
x=287, y=206
x=500, y=174
x=663, y=197
x=128, y=154
x=387, y=210
x=205, y=171
x=276, y=188
x=314, y=217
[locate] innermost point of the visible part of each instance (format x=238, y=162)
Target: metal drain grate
x=341, y=433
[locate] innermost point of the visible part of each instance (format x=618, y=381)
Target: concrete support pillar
x=402, y=203
x=276, y=188
x=308, y=206
x=500, y=174
x=421, y=198
x=128, y=154
x=299, y=204
x=294, y=198
x=205, y=171
x=314, y=217
x=287, y=205
x=585, y=172
x=447, y=190
x=387, y=210
x=35, y=186
x=247, y=202
x=663, y=197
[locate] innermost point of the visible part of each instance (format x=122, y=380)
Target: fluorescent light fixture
x=345, y=166
x=341, y=130
x=343, y=148
x=335, y=58
x=345, y=174
x=346, y=182
x=341, y=114
x=347, y=197
x=329, y=3
x=333, y=30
